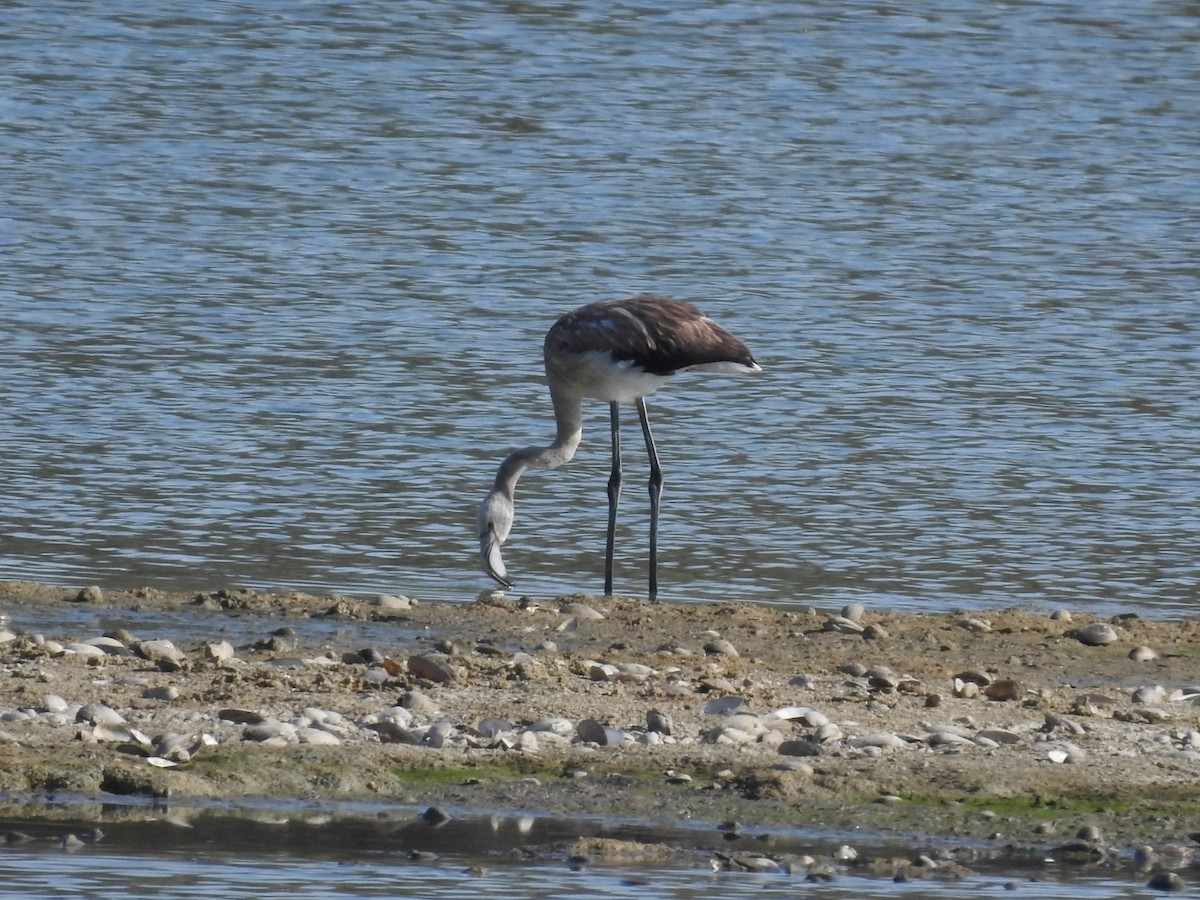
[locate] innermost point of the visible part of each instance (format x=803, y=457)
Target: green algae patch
x=435, y=775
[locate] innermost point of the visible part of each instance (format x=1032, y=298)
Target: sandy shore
x=1009, y=728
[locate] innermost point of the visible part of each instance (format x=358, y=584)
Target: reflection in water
x=58, y=849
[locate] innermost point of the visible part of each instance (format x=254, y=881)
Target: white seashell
x=805, y=715
x=396, y=715
x=1142, y=654
x=746, y=721
x=881, y=739
x=174, y=746
x=1066, y=752
x=107, y=644
x=85, y=651
x=827, y=732
x=966, y=690
x=842, y=625
x=979, y=626
x=140, y=737
x=999, y=735
x=634, y=672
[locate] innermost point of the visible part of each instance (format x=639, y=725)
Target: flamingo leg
x=656, y=480
x=614, y=496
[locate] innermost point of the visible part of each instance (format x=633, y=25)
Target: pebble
x=977, y=625
x=96, y=713
x=1142, y=653
x=1066, y=752
x=430, y=669
x=163, y=653
x=85, y=651
x=109, y=645
x=720, y=647
x=999, y=736
x=493, y=727
x=1150, y=695
x=581, y=612
x=827, y=733
x=317, y=736
x=1096, y=634
x=717, y=685
x=1166, y=881
x=418, y=703
x=659, y=722
x=592, y=732
x=390, y=603
x=435, y=816
x=881, y=739
x=1004, y=689
x=722, y=705
x=219, y=651
x=90, y=594
x=271, y=732
x=853, y=611
x=552, y=725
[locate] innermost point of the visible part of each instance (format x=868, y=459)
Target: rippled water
x=275, y=281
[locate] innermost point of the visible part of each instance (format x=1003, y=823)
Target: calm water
x=253, y=853
x=276, y=277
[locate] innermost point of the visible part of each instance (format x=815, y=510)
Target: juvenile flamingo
x=617, y=351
